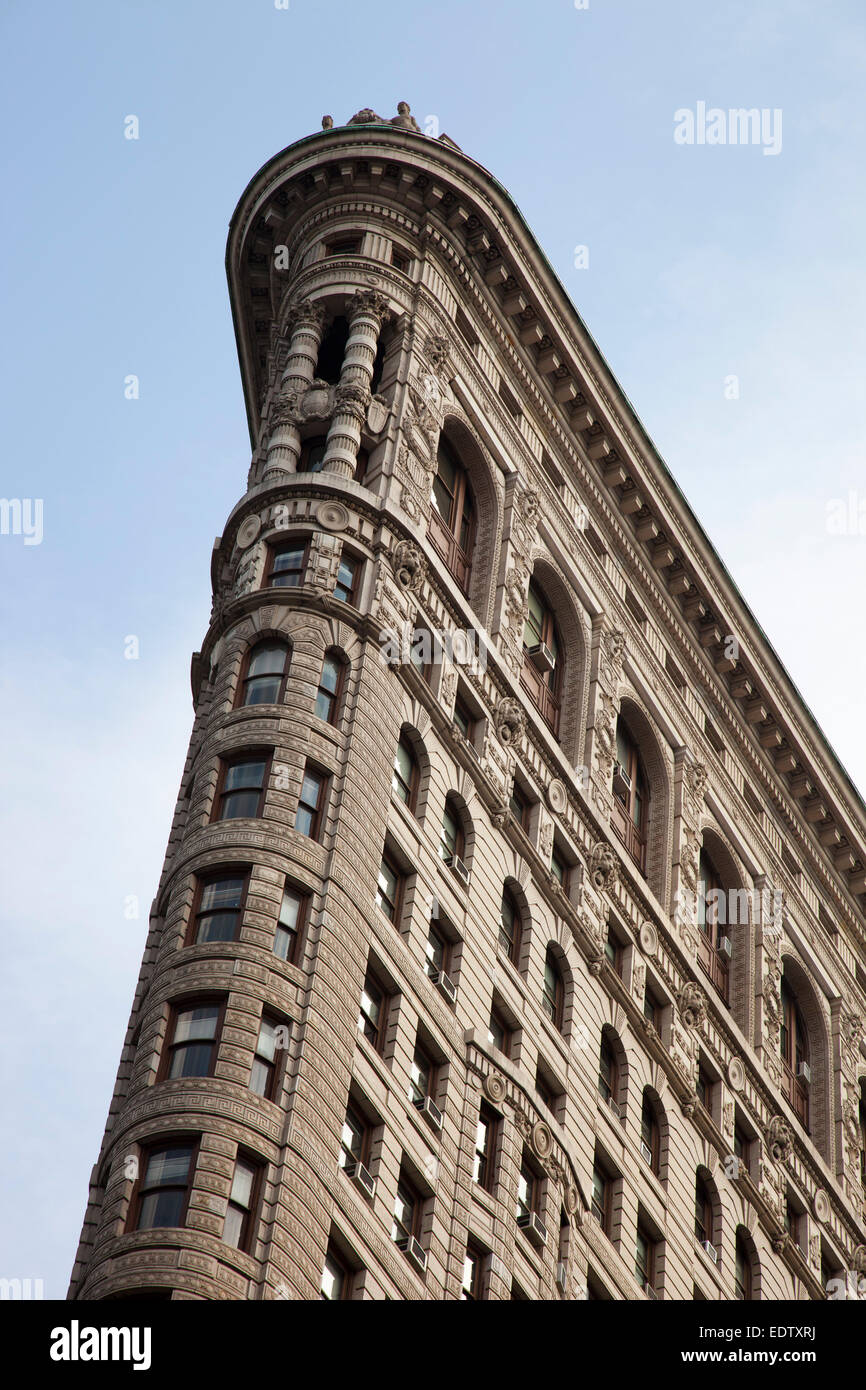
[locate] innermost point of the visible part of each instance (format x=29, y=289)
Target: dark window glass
x=498, y=1033
x=219, y=909
x=162, y=1198
x=607, y=1071
x=407, y=1212
x=509, y=927
x=527, y=1191
x=405, y=775
x=288, y=564
x=347, y=575
x=242, y=787
x=451, y=838
x=238, y=1221
x=353, y=1141
x=421, y=1076
x=335, y=1279
x=552, y=992
x=264, y=1073
x=485, y=1149
x=371, y=1018
x=266, y=671
x=600, y=1204
x=194, y=1038
x=388, y=889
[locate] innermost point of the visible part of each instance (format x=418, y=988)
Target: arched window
x=452, y=841
x=542, y=669
x=630, y=796
x=794, y=1047
x=452, y=519
x=553, y=990
x=327, y=705
x=264, y=674
x=743, y=1280
x=608, y=1071
x=650, y=1133
x=714, y=944
x=404, y=778
x=705, y=1231
x=510, y=927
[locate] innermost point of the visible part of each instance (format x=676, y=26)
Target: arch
x=657, y=833
x=803, y=1038
x=557, y=992
x=456, y=835
x=458, y=437
x=569, y=687
x=658, y=1142
x=413, y=797
x=708, y=1211
x=513, y=923
x=747, y=1266
x=724, y=920
x=612, y=1086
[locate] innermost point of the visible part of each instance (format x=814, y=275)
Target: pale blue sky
x=703, y=262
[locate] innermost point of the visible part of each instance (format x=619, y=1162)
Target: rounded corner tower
x=416, y=1018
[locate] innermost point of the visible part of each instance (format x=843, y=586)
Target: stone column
x=305, y=323
x=367, y=312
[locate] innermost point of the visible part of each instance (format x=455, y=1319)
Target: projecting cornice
x=478, y=235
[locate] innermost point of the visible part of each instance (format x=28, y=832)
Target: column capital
x=369, y=304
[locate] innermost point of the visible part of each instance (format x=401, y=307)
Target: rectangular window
x=241, y=787
x=354, y=1141
x=263, y=1079
x=400, y=259
x=559, y=869
x=601, y=1198
x=328, y=694
x=652, y=1009
x=289, y=924
x=498, y=1033
x=463, y=720
x=404, y=778
x=422, y=1077
x=218, y=909
x=527, y=1192
x=389, y=889
x=518, y=804
x=407, y=1214
x=286, y=565
x=473, y=1266
x=347, y=578
x=438, y=953
x=164, y=1186
x=371, y=1017
x=348, y=244
x=485, y=1149
x=308, y=819
x=336, y=1278
x=644, y=1264
x=194, y=1030
x=238, y=1227
x=613, y=952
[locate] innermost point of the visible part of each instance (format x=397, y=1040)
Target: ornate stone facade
x=387, y=295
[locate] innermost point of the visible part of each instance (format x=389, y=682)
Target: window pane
x=161, y=1209
x=218, y=926
x=267, y=1044
x=238, y=804
x=223, y=892
x=233, y=1229
x=242, y=1184
x=168, y=1166
x=193, y=1059
x=268, y=660
x=290, y=909
x=263, y=690
x=244, y=775
x=333, y=1280
x=260, y=1077
x=200, y=1022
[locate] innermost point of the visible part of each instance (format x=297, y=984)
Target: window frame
x=333, y=1257
x=451, y=810
x=649, y=1124
x=705, y=1216
x=336, y=695
x=355, y=563
x=170, y=1047
x=324, y=777
x=510, y=947
x=485, y=1159
x=295, y=934
x=389, y=862
x=226, y=764
x=553, y=1006
x=245, y=679
x=407, y=1189
x=377, y=1042
x=602, y=1211
x=497, y=1017
x=301, y=543
x=140, y=1191
x=202, y=882
x=364, y=1130
x=274, y=1067
x=453, y=544
x=608, y=1087
x=248, y=1218
x=411, y=797
x=546, y=695
x=633, y=834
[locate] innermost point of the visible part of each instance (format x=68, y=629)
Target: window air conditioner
x=362, y=1177
x=646, y=1152
x=726, y=947
x=804, y=1072
x=446, y=985
x=414, y=1251
x=531, y=1223
x=431, y=1112
x=542, y=657
x=710, y=1250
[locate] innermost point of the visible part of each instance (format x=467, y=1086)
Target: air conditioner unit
x=649, y=1290
x=362, y=1177
x=561, y=1275
x=646, y=1152
x=621, y=779
x=710, y=1250
x=726, y=947
x=804, y=1072
x=414, y=1251
x=532, y=1224
x=431, y=1112
x=614, y=1109
x=542, y=657
x=446, y=984
x=460, y=869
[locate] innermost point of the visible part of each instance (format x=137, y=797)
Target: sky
x=724, y=283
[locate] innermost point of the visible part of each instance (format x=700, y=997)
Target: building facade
x=510, y=939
